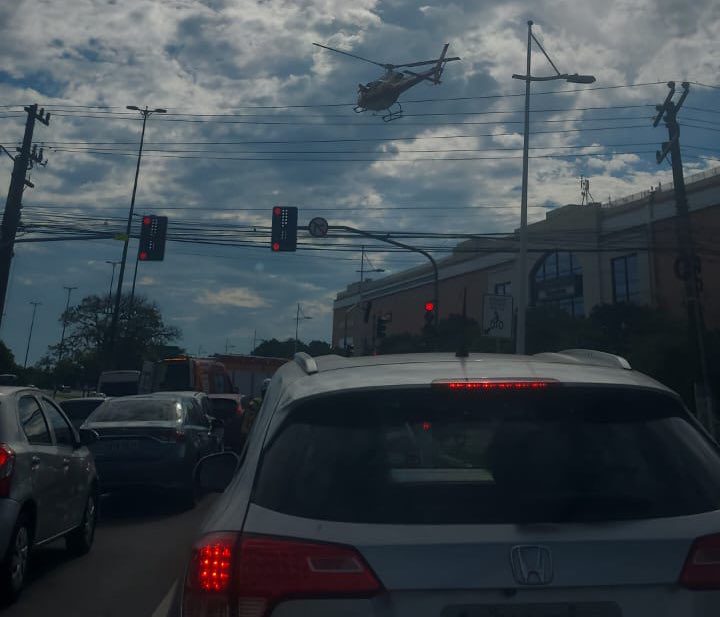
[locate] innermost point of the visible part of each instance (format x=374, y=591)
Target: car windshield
x=137, y=410
x=561, y=454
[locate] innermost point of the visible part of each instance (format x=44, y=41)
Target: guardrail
x=715, y=171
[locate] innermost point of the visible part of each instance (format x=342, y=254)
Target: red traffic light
x=147, y=220
x=143, y=255
x=276, y=246
x=277, y=210
x=429, y=306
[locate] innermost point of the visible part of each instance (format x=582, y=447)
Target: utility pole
x=298, y=317
x=62, y=337
x=688, y=267
x=24, y=160
x=35, y=304
x=114, y=264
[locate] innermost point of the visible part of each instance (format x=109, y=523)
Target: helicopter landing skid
x=393, y=114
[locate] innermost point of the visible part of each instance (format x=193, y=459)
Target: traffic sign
x=497, y=316
x=318, y=227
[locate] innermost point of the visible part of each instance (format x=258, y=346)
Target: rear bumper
x=9, y=511
x=163, y=474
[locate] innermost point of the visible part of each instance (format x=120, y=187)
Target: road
x=140, y=550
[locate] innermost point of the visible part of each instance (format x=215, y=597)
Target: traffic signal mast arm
x=407, y=247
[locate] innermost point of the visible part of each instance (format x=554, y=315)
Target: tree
x=7, y=360
x=273, y=348
x=142, y=335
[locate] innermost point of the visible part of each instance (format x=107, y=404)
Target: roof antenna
x=463, y=352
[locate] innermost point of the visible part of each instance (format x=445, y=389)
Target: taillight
x=7, y=466
x=254, y=573
x=491, y=384
x=702, y=566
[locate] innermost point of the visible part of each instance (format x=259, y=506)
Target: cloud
x=236, y=297
x=288, y=135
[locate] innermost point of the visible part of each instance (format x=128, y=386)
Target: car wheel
x=14, y=566
x=80, y=540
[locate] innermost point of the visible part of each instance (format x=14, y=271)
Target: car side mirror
x=88, y=436
x=214, y=473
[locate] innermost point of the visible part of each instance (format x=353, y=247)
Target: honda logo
x=531, y=565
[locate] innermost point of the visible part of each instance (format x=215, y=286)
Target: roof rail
x=306, y=362
x=590, y=356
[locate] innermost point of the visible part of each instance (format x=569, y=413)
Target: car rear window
x=425, y=456
x=77, y=411
x=137, y=410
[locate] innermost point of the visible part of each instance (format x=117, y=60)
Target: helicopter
x=382, y=94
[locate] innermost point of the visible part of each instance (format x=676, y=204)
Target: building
x=579, y=257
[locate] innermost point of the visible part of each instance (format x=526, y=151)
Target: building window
x=503, y=289
x=557, y=281
x=625, y=278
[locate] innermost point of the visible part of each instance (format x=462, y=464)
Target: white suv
x=563, y=484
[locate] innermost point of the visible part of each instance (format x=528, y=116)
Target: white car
x=558, y=485
x=48, y=483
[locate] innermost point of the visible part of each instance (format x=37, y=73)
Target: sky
x=258, y=117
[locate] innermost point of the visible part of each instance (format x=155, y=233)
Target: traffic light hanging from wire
x=284, y=229
x=153, y=233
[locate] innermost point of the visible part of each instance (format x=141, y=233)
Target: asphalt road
x=140, y=551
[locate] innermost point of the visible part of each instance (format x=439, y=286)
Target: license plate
x=125, y=445
x=583, y=609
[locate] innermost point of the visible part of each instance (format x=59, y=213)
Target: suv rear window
x=439, y=457
x=137, y=410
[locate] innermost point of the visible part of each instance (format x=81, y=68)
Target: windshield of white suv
x=439, y=457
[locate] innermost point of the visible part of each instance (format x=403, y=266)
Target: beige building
x=580, y=256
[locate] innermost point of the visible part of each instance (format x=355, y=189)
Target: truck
x=119, y=383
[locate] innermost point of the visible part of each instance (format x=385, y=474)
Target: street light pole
x=62, y=336
x=146, y=113
x=114, y=264
x=32, y=325
x=522, y=302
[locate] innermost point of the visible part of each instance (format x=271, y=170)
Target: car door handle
x=34, y=462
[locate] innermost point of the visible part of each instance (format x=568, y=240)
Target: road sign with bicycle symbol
x=497, y=316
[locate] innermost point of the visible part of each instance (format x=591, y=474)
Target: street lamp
x=112, y=279
x=574, y=78
x=146, y=113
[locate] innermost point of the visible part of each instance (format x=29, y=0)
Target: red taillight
x=7, y=466
x=491, y=384
x=257, y=572
x=702, y=566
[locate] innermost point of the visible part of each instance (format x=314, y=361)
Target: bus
x=119, y=383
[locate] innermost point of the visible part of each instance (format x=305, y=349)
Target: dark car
x=151, y=441
x=229, y=409
x=78, y=409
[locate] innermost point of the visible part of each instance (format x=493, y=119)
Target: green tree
x=142, y=335
x=7, y=360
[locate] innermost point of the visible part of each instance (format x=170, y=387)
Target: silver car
x=557, y=485
x=48, y=483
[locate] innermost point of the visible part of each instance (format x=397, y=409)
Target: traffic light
x=381, y=327
x=152, y=238
x=284, y=229
x=429, y=313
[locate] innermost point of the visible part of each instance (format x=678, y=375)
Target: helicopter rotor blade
x=345, y=53
x=426, y=62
